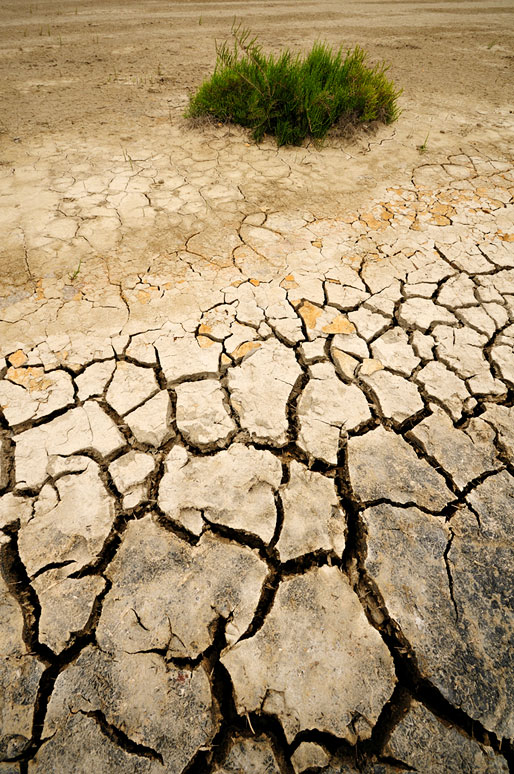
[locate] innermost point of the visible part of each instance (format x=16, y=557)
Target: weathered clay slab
x=423, y=742
x=447, y=586
x=166, y=709
x=20, y=673
x=326, y=408
x=260, y=388
x=252, y=756
x=234, y=487
x=81, y=428
x=70, y=524
x=304, y=665
x=313, y=517
x=169, y=595
x=383, y=466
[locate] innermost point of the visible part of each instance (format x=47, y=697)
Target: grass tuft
x=293, y=97
x=424, y=145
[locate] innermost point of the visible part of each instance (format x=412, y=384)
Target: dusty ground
x=256, y=405
x=88, y=86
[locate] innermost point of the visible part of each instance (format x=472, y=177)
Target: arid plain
x=256, y=404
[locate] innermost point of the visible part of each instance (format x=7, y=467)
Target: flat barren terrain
x=88, y=86
x=256, y=403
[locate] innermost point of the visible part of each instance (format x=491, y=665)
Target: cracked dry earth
x=275, y=536
x=257, y=479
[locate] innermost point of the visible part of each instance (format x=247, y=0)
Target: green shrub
x=293, y=97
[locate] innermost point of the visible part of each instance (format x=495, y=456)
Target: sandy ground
x=86, y=83
x=111, y=68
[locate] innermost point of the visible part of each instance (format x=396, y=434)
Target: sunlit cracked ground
x=256, y=432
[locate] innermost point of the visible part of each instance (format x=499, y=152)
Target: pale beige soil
x=88, y=87
x=256, y=404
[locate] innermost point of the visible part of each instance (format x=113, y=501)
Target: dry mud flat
x=256, y=406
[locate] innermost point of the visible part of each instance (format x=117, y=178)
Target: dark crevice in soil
x=243, y=538
x=121, y=739
x=234, y=725
x=51, y=566
x=392, y=712
x=279, y=506
x=267, y=598
x=170, y=525
x=302, y=564
x=18, y=582
x=292, y=404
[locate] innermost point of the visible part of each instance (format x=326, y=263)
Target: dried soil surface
x=256, y=404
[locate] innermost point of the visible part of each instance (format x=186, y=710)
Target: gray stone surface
x=304, y=667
